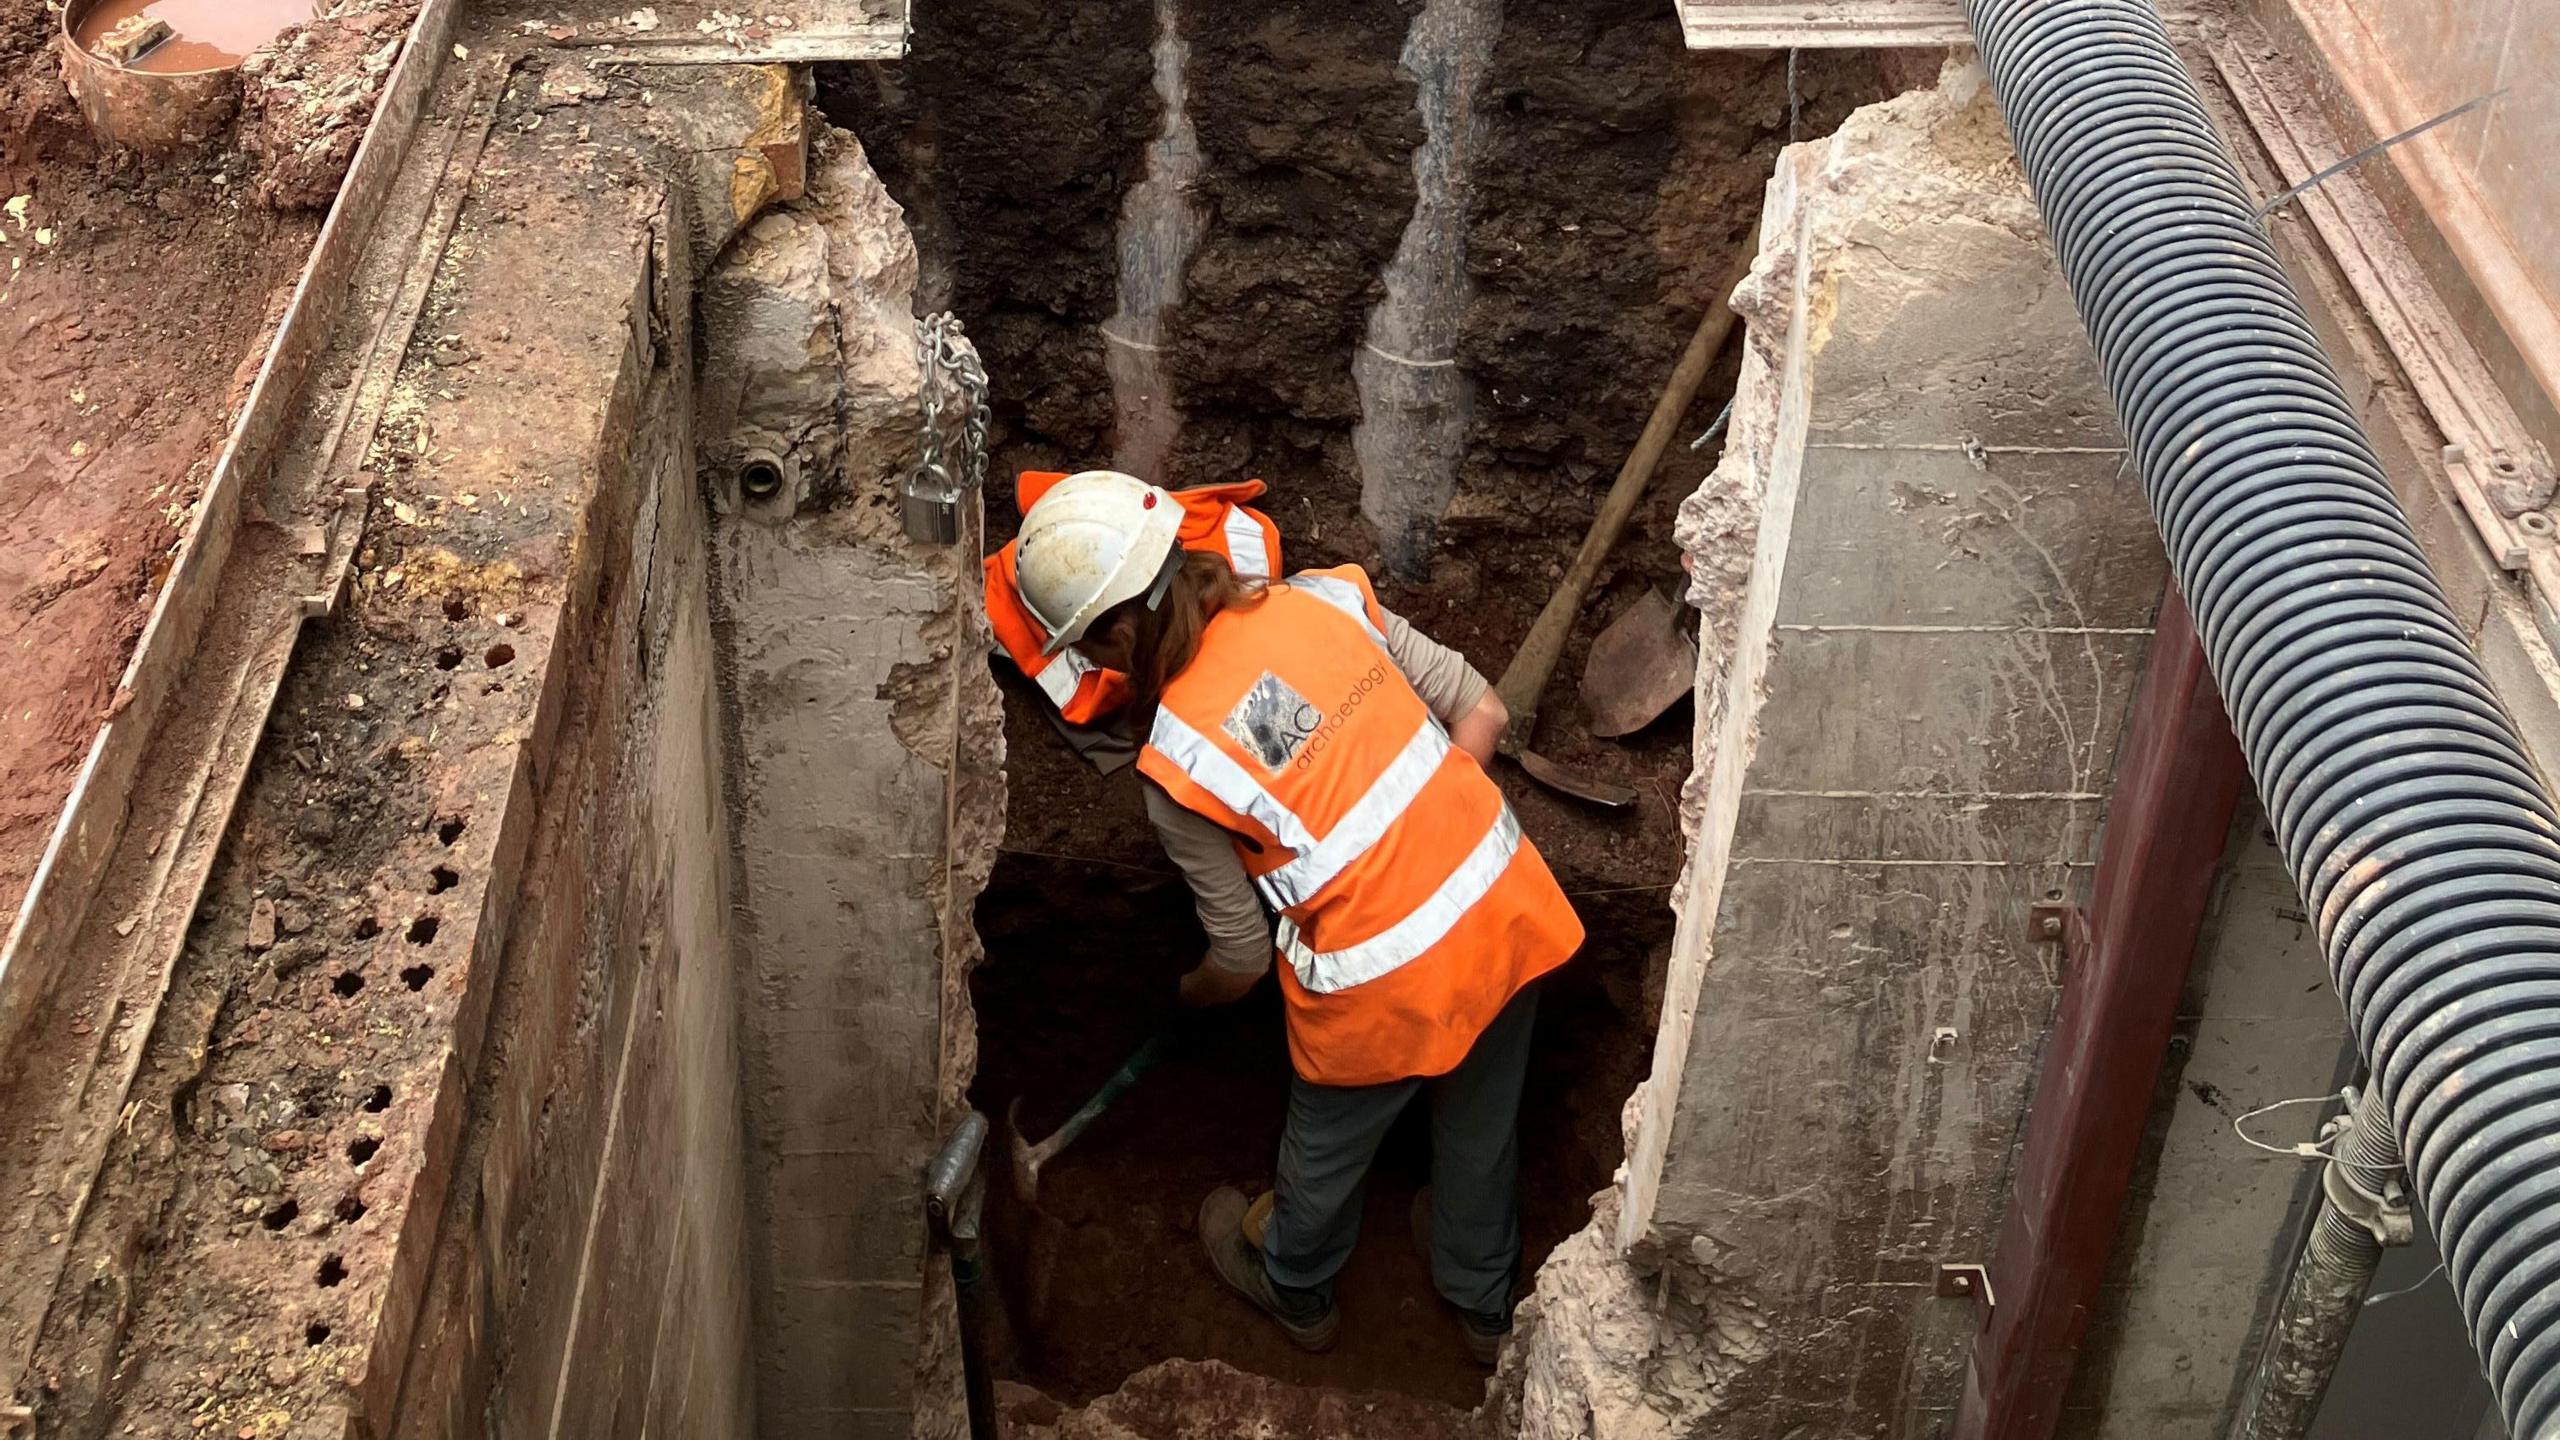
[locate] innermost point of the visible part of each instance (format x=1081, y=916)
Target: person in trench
x=1302, y=746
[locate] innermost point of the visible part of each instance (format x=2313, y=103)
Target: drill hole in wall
x=450, y=828
x=333, y=1269
x=500, y=656
x=422, y=930
x=368, y=927
x=448, y=656
x=362, y=1148
x=378, y=1101
x=315, y=1333
x=765, y=486
x=283, y=1213
x=417, y=976
x=442, y=878
x=457, y=609
x=347, y=984
x=350, y=1209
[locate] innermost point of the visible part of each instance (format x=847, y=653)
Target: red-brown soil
x=127, y=344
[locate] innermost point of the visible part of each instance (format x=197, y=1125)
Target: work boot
x=1257, y=1216
x=1485, y=1331
x=1306, y=1317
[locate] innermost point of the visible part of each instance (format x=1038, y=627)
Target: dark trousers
x=1333, y=1134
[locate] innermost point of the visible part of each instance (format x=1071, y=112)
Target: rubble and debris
x=307, y=96
x=262, y=926
x=131, y=38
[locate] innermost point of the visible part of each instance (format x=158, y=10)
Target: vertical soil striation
x=1618, y=178
x=1307, y=132
x=1620, y=175
x=1010, y=134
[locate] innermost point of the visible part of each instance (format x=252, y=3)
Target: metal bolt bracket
x=2052, y=922
x=1967, y=1281
x=2386, y=1215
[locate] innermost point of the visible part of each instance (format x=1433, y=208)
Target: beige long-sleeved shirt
x=1230, y=908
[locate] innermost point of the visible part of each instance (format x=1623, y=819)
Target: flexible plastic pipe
x=2422, y=839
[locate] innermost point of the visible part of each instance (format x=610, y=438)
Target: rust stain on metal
x=140, y=110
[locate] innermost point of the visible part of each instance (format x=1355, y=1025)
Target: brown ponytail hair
x=1167, y=638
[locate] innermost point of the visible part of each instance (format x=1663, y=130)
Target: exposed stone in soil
x=1205, y=1400
x=305, y=100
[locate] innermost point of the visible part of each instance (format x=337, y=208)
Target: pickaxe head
x=1026, y=1156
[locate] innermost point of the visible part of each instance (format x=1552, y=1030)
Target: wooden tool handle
x=1534, y=664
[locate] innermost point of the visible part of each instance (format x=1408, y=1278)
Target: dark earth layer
x=1621, y=175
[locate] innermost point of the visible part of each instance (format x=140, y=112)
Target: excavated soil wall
x=1615, y=178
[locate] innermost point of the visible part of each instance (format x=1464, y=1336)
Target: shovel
x=1524, y=684
x=1639, y=667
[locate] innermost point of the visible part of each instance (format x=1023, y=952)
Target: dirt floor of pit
x=1618, y=176
x=1106, y=1276
x=135, y=304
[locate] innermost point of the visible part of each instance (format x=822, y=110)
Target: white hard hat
x=1095, y=539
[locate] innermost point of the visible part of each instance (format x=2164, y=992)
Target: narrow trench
x=1609, y=178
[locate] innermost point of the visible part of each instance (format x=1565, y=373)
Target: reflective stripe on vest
x=1224, y=778
x=1387, y=797
x=1412, y=907
x=1246, y=554
x=1342, y=595
x=1327, y=971
x=1059, y=675
x=1319, y=860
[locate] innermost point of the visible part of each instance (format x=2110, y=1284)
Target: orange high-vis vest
x=1411, y=907
x=1214, y=518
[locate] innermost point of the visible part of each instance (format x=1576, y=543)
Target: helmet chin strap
x=1164, y=577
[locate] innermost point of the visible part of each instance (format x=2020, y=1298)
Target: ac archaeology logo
x=1361, y=689
x=1276, y=725
x=1272, y=721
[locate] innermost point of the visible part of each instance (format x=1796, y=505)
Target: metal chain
x=1795, y=98
x=950, y=379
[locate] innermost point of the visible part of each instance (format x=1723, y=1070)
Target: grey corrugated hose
x=2424, y=842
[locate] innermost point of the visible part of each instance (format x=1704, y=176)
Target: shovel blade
x=1639, y=667
x=1581, y=787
